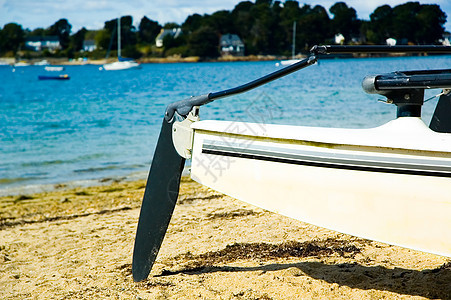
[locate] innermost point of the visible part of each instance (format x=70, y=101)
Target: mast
x=293, y=46
x=119, y=38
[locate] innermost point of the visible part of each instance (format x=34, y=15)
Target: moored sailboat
x=121, y=63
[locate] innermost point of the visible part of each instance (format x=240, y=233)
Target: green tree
x=314, y=27
x=77, y=39
x=61, y=29
x=290, y=13
x=171, y=25
x=405, y=23
x=243, y=21
x=37, y=32
x=128, y=31
x=11, y=38
x=148, y=30
x=431, y=20
x=192, y=23
x=265, y=26
x=107, y=38
x=259, y=41
x=345, y=20
x=277, y=37
x=381, y=25
x=220, y=21
x=264, y=37
x=103, y=39
x=204, y=42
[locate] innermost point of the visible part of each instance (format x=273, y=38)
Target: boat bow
x=376, y=183
x=389, y=183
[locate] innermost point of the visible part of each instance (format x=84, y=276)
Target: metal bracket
x=444, y=92
x=182, y=134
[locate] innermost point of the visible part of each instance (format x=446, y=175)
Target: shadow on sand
x=435, y=283
x=430, y=283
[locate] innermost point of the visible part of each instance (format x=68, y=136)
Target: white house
x=391, y=41
x=174, y=32
x=339, y=39
x=231, y=44
x=89, y=45
x=39, y=43
x=446, y=39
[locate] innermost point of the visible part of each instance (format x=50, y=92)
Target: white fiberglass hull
x=289, y=62
x=121, y=65
x=390, y=184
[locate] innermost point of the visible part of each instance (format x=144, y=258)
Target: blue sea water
x=102, y=124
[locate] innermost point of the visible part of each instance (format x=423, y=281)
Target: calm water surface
x=104, y=124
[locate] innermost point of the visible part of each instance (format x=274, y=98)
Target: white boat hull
x=54, y=68
x=121, y=65
x=381, y=184
x=289, y=62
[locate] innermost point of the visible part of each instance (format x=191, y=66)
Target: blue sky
x=93, y=13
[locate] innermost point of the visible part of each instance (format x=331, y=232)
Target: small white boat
x=43, y=62
x=21, y=64
x=390, y=184
x=287, y=62
x=121, y=63
x=54, y=68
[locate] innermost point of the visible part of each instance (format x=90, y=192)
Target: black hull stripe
x=326, y=165
x=404, y=163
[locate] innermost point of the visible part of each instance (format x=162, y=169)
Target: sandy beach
x=78, y=243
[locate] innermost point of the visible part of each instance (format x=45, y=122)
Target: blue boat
x=54, y=77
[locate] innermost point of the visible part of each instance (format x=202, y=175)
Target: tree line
x=265, y=27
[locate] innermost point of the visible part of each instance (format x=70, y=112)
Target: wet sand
x=78, y=243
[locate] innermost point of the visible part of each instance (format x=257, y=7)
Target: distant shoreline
x=194, y=59
x=170, y=59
